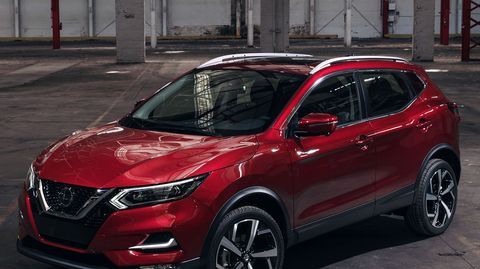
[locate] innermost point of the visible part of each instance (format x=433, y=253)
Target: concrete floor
x=47, y=94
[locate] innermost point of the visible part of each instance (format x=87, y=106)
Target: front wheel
x=435, y=199
x=249, y=238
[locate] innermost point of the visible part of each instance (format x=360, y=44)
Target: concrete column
x=91, y=32
x=423, y=30
x=164, y=18
x=153, y=24
x=250, y=28
x=130, y=22
x=16, y=12
x=312, y=17
x=274, y=25
x=348, y=24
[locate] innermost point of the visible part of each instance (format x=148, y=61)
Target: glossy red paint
x=317, y=124
x=315, y=176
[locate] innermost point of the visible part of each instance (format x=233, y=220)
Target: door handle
x=424, y=124
x=363, y=141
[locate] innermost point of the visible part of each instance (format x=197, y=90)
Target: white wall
x=366, y=19
x=35, y=18
x=104, y=17
x=209, y=17
x=6, y=18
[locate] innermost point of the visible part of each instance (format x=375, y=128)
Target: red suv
x=242, y=157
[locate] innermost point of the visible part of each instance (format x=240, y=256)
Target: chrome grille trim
x=84, y=209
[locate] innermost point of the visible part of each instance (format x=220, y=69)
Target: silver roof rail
x=247, y=56
x=329, y=62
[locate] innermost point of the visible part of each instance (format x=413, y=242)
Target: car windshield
x=217, y=103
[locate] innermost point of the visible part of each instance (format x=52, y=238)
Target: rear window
x=416, y=82
x=386, y=92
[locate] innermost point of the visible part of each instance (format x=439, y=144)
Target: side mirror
x=139, y=103
x=315, y=124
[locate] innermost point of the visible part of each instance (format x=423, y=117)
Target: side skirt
x=388, y=203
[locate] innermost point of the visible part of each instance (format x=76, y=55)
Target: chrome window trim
x=367, y=118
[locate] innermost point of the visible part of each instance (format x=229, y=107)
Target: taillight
x=454, y=107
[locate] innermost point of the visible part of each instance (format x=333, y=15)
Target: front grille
x=68, y=223
x=66, y=199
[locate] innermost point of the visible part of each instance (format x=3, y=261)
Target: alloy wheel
x=440, y=198
x=248, y=244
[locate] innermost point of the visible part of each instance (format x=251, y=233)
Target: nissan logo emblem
x=65, y=197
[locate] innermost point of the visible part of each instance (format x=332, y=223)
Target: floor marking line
x=117, y=100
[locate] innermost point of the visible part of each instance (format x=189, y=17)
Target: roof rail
x=329, y=62
x=248, y=56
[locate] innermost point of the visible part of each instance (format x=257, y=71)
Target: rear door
x=336, y=172
x=394, y=118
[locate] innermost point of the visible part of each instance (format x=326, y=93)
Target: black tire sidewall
x=434, y=166
x=236, y=215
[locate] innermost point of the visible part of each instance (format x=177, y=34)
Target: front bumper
x=76, y=261
x=186, y=220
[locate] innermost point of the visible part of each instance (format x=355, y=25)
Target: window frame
x=401, y=73
x=291, y=119
x=364, y=117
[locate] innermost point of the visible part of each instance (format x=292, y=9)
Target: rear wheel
x=249, y=238
x=435, y=199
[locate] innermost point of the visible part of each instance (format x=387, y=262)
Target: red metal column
x=56, y=26
x=468, y=43
x=445, y=22
x=385, y=17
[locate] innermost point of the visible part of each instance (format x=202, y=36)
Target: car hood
x=116, y=156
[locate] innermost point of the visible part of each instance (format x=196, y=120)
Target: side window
x=417, y=83
x=336, y=96
x=386, y=92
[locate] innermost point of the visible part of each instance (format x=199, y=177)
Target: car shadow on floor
x=373, y=234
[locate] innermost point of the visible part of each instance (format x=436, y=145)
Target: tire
x=433, y=207
x=233, y=247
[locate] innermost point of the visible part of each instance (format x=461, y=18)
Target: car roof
x=301, y=64
x=297, y=67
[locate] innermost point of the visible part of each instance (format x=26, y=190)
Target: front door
x=336, y=172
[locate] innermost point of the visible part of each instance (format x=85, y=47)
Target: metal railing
x=251, y=56
x=329, y=62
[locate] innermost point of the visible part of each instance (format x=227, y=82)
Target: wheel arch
x=261, y=197
x=446, y=153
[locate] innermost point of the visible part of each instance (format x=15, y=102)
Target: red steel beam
x=56, y=26
x=385, y=17
x=445, y=22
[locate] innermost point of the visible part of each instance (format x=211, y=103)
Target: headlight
x=150, y=195
x=30, y=180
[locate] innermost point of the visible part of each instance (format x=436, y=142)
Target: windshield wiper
x=168, y=126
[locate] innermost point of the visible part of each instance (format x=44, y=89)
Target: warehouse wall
x=213, y=17
x=6, y=18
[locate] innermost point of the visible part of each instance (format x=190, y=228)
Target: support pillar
x=91, y=30
x=164, y=18
x=16, y=12
x=348, y=23
x=153, y=24
x=423, y=40
x=312, y=17
x=56, y=25
x=274, y=25
x=385, y=18
x=250, y=28
x=130, y=23
x=445, y=22
x=238, y=17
